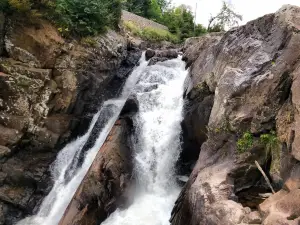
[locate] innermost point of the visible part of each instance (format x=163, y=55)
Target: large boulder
x=105, y=186
x=160, y=55
x=250, y=70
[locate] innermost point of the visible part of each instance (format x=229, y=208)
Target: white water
x=157, y=147
x=56, y=202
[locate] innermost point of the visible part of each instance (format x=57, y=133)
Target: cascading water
x=66, y=177
x=159, y=90
x=157, y=145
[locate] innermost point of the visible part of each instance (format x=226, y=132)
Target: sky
x=249, y=9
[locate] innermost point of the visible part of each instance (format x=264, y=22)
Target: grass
x=89, y=41
x=271, y=143
x=150, y=34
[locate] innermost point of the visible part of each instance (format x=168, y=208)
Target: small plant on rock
x=271, y=143
x=245, y=142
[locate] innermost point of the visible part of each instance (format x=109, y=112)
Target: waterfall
x=157, y=145
x=159, y=90
x=54, y=205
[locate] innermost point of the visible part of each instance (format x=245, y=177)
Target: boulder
x=149, y=54
x=105, y=185
x=155, y=60
x=131, y=106
x=282, y=208
x=252, y=73
x=169, y=54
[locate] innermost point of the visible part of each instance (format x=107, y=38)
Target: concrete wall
x=141, y=21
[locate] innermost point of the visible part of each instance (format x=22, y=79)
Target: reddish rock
x=104, y=187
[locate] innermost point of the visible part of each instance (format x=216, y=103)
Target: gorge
x=126, y=131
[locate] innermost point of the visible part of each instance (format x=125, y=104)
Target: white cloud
x=250, y=9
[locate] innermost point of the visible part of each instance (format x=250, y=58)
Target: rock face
x=106, y=184
x=249, y=79
x=49, y=91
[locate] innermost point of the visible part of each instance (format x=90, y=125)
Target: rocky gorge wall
x=242, y=107
x=50, y=87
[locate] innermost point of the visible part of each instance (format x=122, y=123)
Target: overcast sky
x=250, y=9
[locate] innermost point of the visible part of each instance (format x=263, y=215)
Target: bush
x=245, y=142
x=150, y=34
x=82, y=17
x=88, y=17
x=271, y=143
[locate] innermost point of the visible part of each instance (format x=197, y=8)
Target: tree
x=226, y=17
x=154, y=11
x=180, y=21
x=87, y=17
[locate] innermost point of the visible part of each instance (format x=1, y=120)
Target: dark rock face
x=131, y=106
x=49, y=91
x=252, y=74
x=106, y=184
x=199, y=102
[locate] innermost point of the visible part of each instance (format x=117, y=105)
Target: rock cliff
x=50, y=87
x=243, y=106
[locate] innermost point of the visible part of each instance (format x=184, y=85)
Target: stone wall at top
x=141, y=22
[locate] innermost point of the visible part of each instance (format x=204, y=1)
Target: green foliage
x=80, y=17
x=271, y=143
x=269, y=140
x=87, y=17
x=151, y=9
x=150, y=34
x=245, y=142
x=180, y=21
x=154, y=12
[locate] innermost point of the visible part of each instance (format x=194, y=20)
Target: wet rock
x=131, y=106
x=149, y=54
x=17, y=196
x=105, y=185
x=155, y=60
x=169, y=54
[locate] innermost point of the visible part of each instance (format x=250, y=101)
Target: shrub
x=82, y=17
x=245, y=142
x=150, y=34
x=88, y=17
x=271, y=143
x=89, y=41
